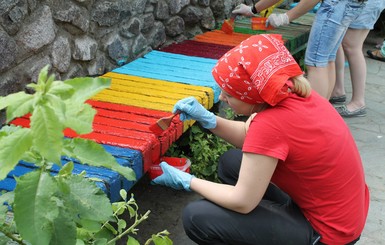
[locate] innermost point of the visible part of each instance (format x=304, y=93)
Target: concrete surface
x=166, y=204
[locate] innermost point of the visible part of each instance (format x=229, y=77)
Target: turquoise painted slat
x=175, y=68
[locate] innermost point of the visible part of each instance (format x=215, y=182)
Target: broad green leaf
x=121, y=225
x=86, y=200
x=47, y=133
x=12, y=149
x=33, y=157
x=90, y=225
x=132, y=241
x=161, y=240
x=48, y=83
x=100, y=241
x=123, y=194
x=8, y=129
x=7, y=197
x=11, y=99
x=35, y=210
x=3, y=215
x=131, y=211
x=87, y=87
x=79, y=242
x=118, y=207
x=64, y=229
x=110, y=228
x=58, y=105
x=4, y=239
x=79, y=117
x=83, y=234
x=105, y=233
x=61, y=90
x=92, y=153
x=17, y=104
x=66, y=169
x=43, y=75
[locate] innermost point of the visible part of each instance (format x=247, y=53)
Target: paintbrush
x=163, y=123
x=228, y=25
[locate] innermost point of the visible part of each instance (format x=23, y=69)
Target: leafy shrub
x=203, y=149
x=63, y=208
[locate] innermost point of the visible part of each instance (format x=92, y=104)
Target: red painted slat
x=199, y=49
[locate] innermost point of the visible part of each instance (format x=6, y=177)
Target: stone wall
x=91, y=37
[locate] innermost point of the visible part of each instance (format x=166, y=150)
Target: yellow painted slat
x=152, y=93
x=160, y=88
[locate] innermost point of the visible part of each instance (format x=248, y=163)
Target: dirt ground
x=166, y=205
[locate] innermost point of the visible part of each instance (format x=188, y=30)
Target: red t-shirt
x=319, y=164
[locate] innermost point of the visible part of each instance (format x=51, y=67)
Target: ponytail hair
x=301, y=86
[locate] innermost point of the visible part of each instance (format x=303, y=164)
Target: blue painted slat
x=9, y=184
x=129, y=158
x=111, y=182
x=175, y=68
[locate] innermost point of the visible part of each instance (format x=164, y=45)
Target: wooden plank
x=109, y=181
x=174, y=68
x=153, y=92
x=219, y=37
x=199, y=49
x=138, y=114
x=146, y=143
x=129, y=158
x=139, y=95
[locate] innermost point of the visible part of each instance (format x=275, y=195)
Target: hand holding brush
x=190, y=108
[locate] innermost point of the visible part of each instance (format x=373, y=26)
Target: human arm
x=243, y=9
x=254, y=177
x=234, y=132
x=302, y=8
x=229, y=130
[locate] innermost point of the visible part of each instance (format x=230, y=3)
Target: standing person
x=292, y=182
x=352, y=45
x=330, y=24
x=377, y=54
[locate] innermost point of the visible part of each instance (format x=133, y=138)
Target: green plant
x=64, y=208
x=203, y=149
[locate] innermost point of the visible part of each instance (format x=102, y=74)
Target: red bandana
x=257, y=70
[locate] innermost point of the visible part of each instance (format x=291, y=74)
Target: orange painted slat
x=219, y=37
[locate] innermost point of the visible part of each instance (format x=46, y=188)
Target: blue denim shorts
x=329, y=27
x=369, y=15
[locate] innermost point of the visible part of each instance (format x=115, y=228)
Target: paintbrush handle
x=175, y=114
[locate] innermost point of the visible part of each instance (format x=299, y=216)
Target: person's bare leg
x=319, y=79
x=331, y=78
x=339, y=87
x=352, y=44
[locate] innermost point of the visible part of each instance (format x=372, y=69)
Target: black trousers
x=276, y=220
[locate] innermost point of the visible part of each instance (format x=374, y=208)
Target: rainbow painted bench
x=145, y=90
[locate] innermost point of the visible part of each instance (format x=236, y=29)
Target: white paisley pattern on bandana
x=258, y=62
x=271, y=64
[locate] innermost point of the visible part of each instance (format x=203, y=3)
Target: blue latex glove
x=191, y=109
x=173, y=177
